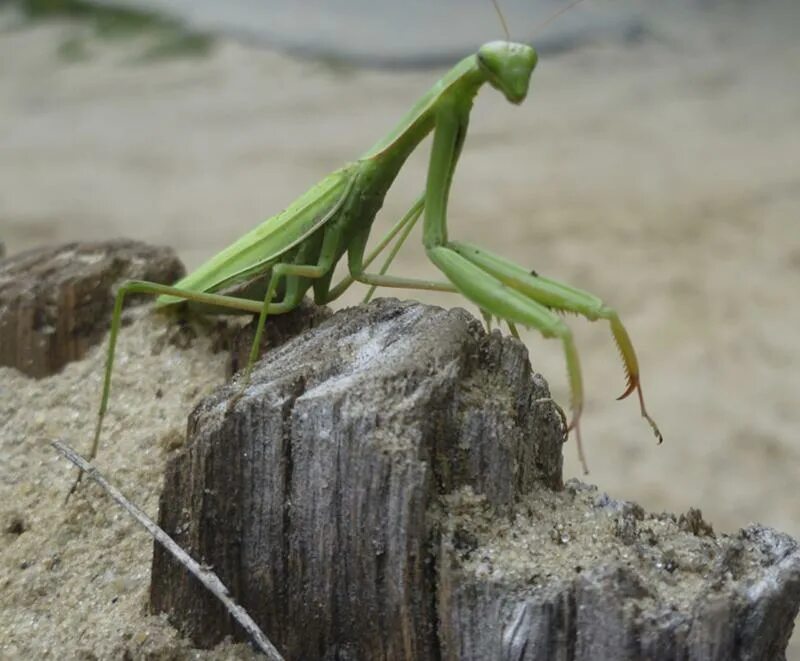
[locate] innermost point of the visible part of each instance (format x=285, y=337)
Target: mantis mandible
x=297, y=249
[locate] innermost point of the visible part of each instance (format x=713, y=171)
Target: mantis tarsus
x=298, y=249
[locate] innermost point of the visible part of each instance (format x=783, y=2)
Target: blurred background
x=656, y=162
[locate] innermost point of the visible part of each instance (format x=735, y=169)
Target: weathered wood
x=312, y=498
x=577, y=575
x=389, y=487
x=280, y=328
x=55, y=303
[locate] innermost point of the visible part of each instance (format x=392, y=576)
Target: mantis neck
x=457, y=89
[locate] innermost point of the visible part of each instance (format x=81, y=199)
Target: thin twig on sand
x=205, y=576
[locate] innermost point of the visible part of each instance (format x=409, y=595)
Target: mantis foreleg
x=558, y=296
x=500, y=300
x=503, y=289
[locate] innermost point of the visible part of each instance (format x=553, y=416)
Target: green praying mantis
x=297, y=249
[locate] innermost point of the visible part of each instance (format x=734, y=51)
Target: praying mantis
x=270, y=269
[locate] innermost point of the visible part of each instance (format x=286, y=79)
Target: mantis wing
x=262, y=246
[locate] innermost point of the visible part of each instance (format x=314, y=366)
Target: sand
x=74, y=576
x=662, y=177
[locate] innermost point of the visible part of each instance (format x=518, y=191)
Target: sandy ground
x=74, y=576
x=662, y=177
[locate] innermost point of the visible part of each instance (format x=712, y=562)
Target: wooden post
x=388, y=486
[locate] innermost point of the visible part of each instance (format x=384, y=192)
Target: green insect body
x=297, y=249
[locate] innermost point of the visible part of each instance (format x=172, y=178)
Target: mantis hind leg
x=155, y=289
x=294, y=291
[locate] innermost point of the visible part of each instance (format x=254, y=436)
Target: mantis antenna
x=502, y=20
x=552, y=16
x=542, y=25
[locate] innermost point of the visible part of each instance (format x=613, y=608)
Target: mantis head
x=508, y=67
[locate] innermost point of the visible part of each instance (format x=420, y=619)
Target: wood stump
x=388, y=486
x=56, y=302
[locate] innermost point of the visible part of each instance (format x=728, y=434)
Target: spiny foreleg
x=504, y=302
x=558, y=296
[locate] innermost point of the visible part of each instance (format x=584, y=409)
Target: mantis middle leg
x=323, y=294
